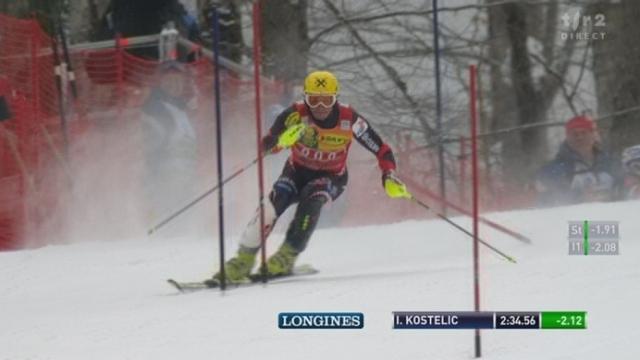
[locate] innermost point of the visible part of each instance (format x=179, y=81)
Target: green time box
x=594, y=237
x=567, y=320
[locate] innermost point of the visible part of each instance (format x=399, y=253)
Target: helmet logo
x=321, y=82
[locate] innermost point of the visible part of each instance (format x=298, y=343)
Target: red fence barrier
x=27, y=83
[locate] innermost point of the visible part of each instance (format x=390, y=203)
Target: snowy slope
x=108, y=300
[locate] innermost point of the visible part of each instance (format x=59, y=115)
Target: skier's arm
x=367, y=137
x=286, y=119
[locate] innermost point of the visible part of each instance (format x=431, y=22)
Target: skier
x=319, y=130
x=581, y=170
x=631, y=165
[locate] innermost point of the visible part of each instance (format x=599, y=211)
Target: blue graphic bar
x=442, y=320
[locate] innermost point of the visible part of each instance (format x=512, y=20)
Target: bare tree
x=533, y=96
x=231, y=40
x=617, y=70
x=85, y=19
x=285, y=41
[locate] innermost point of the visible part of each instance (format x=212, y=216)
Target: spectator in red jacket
x=581, y=170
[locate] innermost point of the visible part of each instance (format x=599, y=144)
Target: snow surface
x=109, y=300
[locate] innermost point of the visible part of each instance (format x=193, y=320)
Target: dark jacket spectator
x=581, y=170
x=631, y=166
x=145, y=17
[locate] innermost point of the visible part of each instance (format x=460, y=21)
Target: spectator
x=146, y=17
x=169, y=138
x=631, y=166
x=581, y=170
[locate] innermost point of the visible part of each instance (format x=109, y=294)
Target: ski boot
x=238, y=268
x=281, y=263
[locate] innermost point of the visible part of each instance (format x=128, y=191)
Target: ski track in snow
x=109, y=300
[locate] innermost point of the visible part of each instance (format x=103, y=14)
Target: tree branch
x=424, y=13
x=388, y=69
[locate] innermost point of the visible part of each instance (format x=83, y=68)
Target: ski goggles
x=316, y=100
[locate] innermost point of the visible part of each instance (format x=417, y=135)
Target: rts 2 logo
x=583, y=27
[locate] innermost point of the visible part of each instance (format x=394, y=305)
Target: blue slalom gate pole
x=436, y=50
x=215, y=31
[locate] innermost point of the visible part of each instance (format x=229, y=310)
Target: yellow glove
x=394, y=187
x=290, y=136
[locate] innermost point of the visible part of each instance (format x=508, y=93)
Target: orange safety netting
x=112, y=86
x=27, y=83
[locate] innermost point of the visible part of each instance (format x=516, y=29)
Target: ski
x=253, y=279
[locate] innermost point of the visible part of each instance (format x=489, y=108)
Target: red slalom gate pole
x=257, y=58
x=215, y=31
x=463, y=168
x=474, y=176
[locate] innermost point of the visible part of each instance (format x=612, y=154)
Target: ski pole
x=486, y=221
x=491, y=247
x=199, y=198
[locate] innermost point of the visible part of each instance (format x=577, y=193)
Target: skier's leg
x=281, y=197
x=312, y=198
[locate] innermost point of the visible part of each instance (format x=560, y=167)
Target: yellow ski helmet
x=321, y=83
